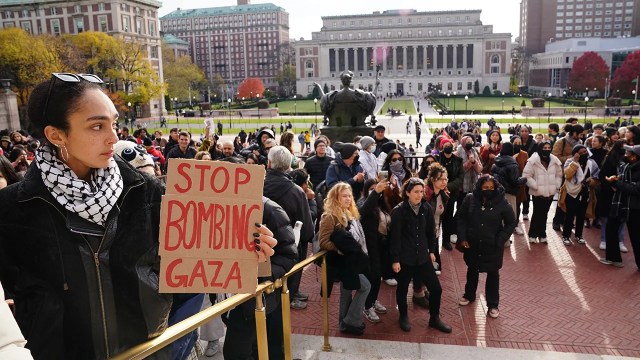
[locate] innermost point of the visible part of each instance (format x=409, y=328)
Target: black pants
x=375, y=266
x=538, y=224
x=613, y=247
x=423, y=274
x=525, y=203
x=293, y=282
x=385, y=263
x=576, y=208
x=491, y=289
x=448, y=222
x=241, y=341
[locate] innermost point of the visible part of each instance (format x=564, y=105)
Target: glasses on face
x=70, y=78
x=396, y=159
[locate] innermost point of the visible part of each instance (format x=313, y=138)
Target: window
x=54, y=11
x=79, y=25
x=102, y=23
x=154, y=52
x=101, y=7
x=152, y=28
x=77, y=9
x=125, y=23
x=55, y=26
x=25, y=13
x=494, y=86
x=495, y=64
x=26, y=26
x=469, y=85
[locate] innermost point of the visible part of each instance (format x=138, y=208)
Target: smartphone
x=383, y=175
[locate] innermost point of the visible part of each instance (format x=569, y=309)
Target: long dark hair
x=387, y=162
x=8, y=172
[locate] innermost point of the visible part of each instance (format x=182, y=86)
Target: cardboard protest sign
x=207, y=221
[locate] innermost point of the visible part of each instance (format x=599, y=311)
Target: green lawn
x=489, y=103
x=291, y=107
x=405, y=105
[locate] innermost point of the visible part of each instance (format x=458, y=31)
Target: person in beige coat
x=11, y=340
x=543, y=172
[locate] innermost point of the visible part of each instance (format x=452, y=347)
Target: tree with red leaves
x=250, y=88
x=626, y=74
x=589, y=71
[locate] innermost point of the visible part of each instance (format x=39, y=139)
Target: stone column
x=415, y=59
x=395, y=58
x=336, y=55
x=455, y=56
x=404, y=59
x=9, y=113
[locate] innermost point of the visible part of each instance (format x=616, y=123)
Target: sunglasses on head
x=69, y=78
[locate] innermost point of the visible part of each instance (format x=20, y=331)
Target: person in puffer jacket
x=505, y=170
x=544, y=177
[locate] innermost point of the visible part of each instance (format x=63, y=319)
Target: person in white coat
x=544, y=177
x=368, y=160
x=11, y=340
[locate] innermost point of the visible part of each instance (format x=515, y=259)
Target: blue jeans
x=351, y=308
x=603, y=230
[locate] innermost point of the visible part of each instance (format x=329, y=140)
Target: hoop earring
x=64, y=153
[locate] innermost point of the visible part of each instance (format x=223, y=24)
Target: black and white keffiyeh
x=91, y=201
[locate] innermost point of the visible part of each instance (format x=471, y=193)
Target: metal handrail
x=186, y=326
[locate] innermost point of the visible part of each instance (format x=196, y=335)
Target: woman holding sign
x=79, y=240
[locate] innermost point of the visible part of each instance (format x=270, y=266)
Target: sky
x=305, y=16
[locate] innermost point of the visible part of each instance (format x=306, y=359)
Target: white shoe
x=543, y=240
x=453, y=238
x=532, y=240
x=623, y=248
x=519, y=230
x=212, y=348
x=438, y=272
x=370, y=314
x=379, y=308
x=525, y=217
x=391, y=282
x=603, y=246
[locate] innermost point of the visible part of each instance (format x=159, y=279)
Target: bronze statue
x=346, y=107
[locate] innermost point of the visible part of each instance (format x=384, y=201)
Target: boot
x=438, y=324
x=405, y=325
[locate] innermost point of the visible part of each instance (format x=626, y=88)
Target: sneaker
x=525, y=217
x=463, y=301
x=298, y=304
x=212, y=348
x=493, y=313
x=532, y=240
x=391, y=282
x=623, y=248
x=566, y=241
x=543, y=240
x=453, y=239
x=300, y=296
x=581, y=240
x=603, y=246
x=370, y=314
x=617, y=264
x=438, y=272
x=379, y=308
x=519, y=230
x=507, y=243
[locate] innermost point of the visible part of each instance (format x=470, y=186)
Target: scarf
x=92, y=200
x=355, y=228
x=397, y=170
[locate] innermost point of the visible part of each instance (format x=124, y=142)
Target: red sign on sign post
x=207, y=221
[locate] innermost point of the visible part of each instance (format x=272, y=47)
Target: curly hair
x=332, y=205
x=435, y=171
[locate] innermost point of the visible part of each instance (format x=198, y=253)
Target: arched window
x=495, y=64
x=308, y=64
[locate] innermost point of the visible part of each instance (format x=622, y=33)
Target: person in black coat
x=505, y=170
x=413, y=245
x=372, y=208
x=241, y=341
x=485, y=223
x=455, y=171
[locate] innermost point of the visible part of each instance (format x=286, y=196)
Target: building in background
x=549, y=70
x=544, y=21
x=131, y=20
x=179, y=47
x=235, y=42
x=408, y=52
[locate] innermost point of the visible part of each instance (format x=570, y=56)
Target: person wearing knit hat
x=318, y=164
x=347, y=168
x=444, y=140
x=318, y=142
x=368, y=161
x=505, y=169
x=579, y=173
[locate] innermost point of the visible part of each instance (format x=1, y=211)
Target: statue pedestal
x=346, y=134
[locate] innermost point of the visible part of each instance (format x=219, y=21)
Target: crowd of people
x=84, y=198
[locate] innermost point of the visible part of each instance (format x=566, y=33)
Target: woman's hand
x=433, y=257
x=264, y=242
x=381, y=185
x=396, y=267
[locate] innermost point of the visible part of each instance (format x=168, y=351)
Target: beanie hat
x=133, y=153
x=507, y=149
x=577, y=148
x=366, y=141
x=5, y=138
x=443, y=141
x=147, y=142
x=299, y=176
x=610, y=131
x=318, y=142
x=347, y=150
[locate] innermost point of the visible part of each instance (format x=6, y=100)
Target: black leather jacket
x=81, y=291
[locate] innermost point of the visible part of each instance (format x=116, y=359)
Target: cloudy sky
x=304, y=15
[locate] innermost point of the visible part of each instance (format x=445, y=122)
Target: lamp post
x=466, y=100
x=635, y=99
x=564, y=97
x=503, y=101
x=448, y=98
x=454, y=105
x=315, y=110
x=129, y=111
x=586, y=100
x=295, y=106
x=549, y=101
x=229, y=111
